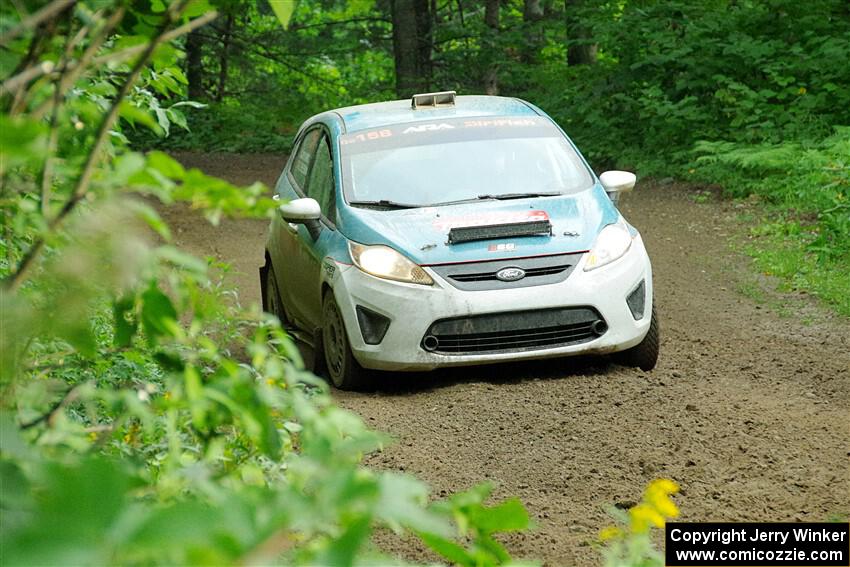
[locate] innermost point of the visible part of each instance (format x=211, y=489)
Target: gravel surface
x=748, y=409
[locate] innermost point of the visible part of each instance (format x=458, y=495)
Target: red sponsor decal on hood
x=488, y=219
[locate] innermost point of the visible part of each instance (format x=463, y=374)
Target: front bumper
x=412, y=309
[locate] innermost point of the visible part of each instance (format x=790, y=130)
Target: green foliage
x=231, y=126
x=268, y=79
x=147, y=416
x=479, y=523
x=805, y=237
x=744, y=95
x=670, y=74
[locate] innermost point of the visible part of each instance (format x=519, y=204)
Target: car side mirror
x=304, y=211
x=616, y=182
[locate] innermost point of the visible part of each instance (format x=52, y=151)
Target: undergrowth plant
x=148, y=417
x=804, y=190
x=629, y=542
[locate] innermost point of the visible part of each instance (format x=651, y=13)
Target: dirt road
x=749, y=408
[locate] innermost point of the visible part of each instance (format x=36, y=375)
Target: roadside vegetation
x=150, y=418
x=147, y=417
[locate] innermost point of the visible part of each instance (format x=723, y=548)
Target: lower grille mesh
x=514, y=331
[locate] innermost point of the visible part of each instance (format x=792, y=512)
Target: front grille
x=491, y=275
x=514, y=331
x=481, y=276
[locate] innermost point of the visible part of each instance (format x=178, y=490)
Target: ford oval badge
x=510, y=274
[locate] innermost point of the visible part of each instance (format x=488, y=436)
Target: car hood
x=423, y=234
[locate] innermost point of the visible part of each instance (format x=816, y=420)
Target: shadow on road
x=409, y=383
x=405, y=383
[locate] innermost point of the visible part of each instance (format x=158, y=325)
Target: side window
x=321, y=185
x=301, y=164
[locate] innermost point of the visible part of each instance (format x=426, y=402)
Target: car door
x=286, y=245
x=304, y=254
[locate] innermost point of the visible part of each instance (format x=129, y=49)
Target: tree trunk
x=581, y=49
x=490, y=44
x=223, y=58
x=411, y=46
x=424, y=43
x=532, y=13
x=194, y=68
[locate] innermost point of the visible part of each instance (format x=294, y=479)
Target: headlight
x=384, y=262
x=613, y=241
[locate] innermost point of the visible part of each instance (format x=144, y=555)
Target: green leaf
x=494, y=548
x=158, y=314
x=14, y=491
x=166, y=165
x=510, y=515
x=401, y=503
x=177, y=73
x=76, y=506
x=177, y=527
x=152, y=219
x=448, y=549
x=177, y=117
x=126, y=41
x=134, y=114
x=78, y=333
x=283, y=9
x=343, y=549
x=196, y=8
x=183, y=260
x=162, y=120
x=21, y=141
x=191, y=103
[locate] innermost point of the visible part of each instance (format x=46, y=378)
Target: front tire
x=644, y=355
x=344, y=372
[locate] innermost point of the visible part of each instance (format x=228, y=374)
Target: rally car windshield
x=429, y=164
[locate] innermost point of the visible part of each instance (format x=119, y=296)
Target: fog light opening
x=637, y=301
x=430, y=343
x=373, y=326
x=599, y=327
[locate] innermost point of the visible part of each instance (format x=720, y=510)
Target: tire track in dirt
x=747, y=410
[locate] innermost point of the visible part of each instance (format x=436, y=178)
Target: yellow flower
x=664, y=485
x=657, y=496
x=609, y=533
x=802, y=91
x=663, y=505
x=643, y=517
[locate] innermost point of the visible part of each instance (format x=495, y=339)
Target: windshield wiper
x=506, y=196
x=500, y=197
x=384, y=203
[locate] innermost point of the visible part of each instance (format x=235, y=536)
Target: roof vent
x=434, y=100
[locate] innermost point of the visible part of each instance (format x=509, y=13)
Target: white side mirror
x=300, y=211
x=618, y=181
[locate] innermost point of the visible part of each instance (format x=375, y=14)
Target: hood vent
x=488, y=232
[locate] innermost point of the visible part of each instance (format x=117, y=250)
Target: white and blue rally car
x=453, y=230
